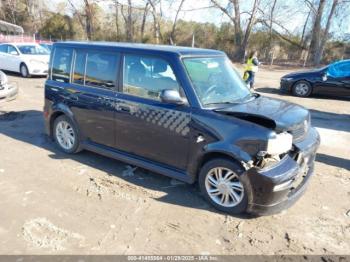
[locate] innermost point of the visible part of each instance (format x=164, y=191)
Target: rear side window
x=79, y=68
x=101, y=70
x=62, y=64
x=96, y=69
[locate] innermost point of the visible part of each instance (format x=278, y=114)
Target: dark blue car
x=184, y=113
x=333, y=79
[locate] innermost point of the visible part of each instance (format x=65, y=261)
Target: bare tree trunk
x=88, y=19
x=130, y=23
x=117, y=20
x=237, y=23
x=172, y=34
x=143, y=24
x=325, y=37
x=81, y=22
x=249, y=29
x=271, y=51
x=156, y=24
x=316, y=34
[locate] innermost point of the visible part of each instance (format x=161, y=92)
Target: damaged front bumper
x=279, y=186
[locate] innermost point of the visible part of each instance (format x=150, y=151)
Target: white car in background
x=24, y=58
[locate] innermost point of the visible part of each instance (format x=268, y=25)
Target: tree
x=58, y=27
x=156, y=22
x=241, y=40
x=172, y=33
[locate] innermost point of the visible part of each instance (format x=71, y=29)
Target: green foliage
x=58, y=27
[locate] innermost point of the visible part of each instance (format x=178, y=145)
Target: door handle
x=125, y=109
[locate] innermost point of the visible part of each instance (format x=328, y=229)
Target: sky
x=292, y=13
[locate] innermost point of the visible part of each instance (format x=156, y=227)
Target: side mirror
x=171, y=97
x=13, y=53
x=324, y=76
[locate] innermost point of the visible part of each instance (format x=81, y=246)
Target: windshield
x=216, y=81
x=33, y=50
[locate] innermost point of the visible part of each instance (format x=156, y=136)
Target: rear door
x=145, y=126
x=89, y=91
x=94, y=82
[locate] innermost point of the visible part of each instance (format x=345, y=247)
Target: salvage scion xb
x=184, y=113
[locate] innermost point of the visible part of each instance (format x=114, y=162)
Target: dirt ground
x=52, y=203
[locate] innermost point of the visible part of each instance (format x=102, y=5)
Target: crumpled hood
x=284, y=116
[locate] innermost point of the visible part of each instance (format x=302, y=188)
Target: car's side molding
x=137, y=161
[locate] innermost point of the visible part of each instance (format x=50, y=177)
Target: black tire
x=75, y=145
x=241, y=206
x=23, y=69
x=302, y=89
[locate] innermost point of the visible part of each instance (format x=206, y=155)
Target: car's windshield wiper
x=221, y=103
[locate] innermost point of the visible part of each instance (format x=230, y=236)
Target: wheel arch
x=58, y=110
x=223, y=154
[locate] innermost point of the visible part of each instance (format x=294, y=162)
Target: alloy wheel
x=65, y=135
x=224, y=187
x=301, y=89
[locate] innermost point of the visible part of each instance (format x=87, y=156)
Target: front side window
x=12, y=50
x=62, y=64
x=215, y=80
x=33, y=50
x=147, y=76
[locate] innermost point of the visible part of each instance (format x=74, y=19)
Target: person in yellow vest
x=252, y=67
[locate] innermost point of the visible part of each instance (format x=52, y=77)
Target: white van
x=24, y=58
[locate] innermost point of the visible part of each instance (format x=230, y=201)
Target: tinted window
x=79, y=68
x=3, y=48
x=147, y=77
x=101, y=70
x=62, y=64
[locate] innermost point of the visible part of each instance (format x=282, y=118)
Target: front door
x=145, y=126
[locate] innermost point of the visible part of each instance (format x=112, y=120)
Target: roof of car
x=18, y=43
x=179, y=50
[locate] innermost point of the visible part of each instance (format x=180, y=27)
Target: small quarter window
x=146, y=76
x=62, y=65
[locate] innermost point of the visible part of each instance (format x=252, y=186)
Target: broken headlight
x=279, y=143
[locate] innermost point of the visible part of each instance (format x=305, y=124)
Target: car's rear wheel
x=302, y=89
x=24, y=71
x=66, y=135
x=221, y=185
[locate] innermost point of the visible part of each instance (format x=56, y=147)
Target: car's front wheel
x=222, y=186
x=66, y=135
x=24, y=71
x=302, y=89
